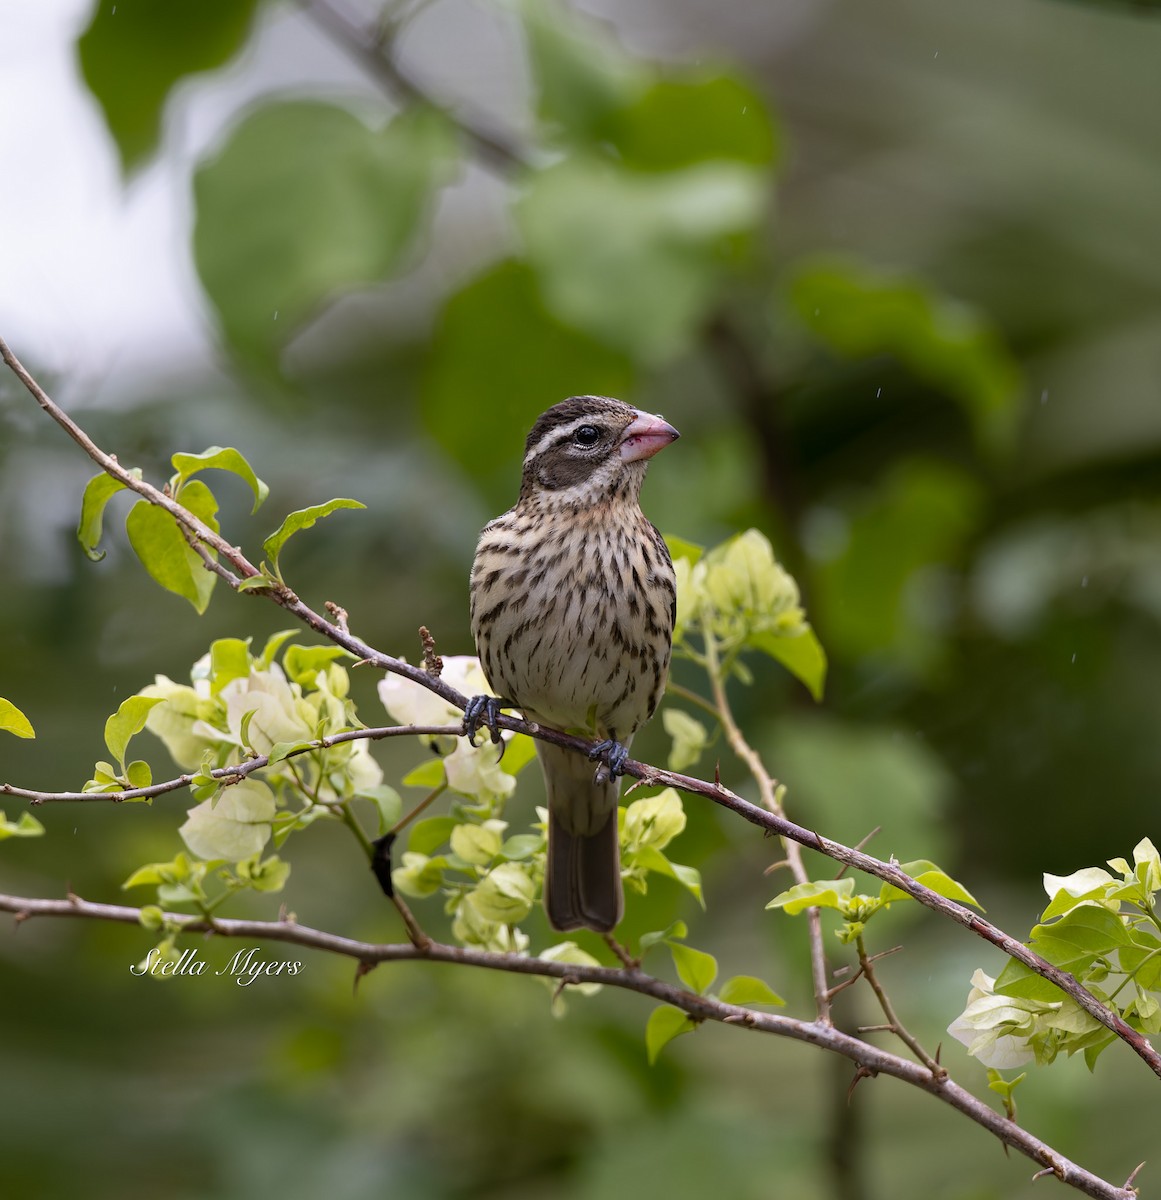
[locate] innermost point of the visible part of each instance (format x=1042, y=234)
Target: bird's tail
x=582, y=880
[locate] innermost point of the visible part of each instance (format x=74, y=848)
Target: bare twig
x=869, y=1059
x=371, y=48
x=768, y=791
x=894, y=1025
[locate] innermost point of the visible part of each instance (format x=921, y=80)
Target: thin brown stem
x=870, y=1060
x=894, y=1025
x=372, y=49
x=768, y=790
x=408, y=817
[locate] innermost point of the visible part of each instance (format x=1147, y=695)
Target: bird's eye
x=587, y=435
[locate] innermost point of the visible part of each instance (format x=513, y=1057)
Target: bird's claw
x=613, y=757
x=483, y=711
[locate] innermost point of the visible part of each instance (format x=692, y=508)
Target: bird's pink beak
x=645, y=436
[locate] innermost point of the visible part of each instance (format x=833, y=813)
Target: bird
x=573, y=602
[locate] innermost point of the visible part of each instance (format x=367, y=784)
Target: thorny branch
x=868, y=1059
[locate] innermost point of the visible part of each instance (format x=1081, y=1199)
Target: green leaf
x=12, y=720
x=430, y=774
x=860, y=313
x=388, y=803
x=223, y=459
x=680, y=548
x=274, y=643
x=151, y=917
x=637, y=260
x=826, y=893
x=139, y=774
x=800, y=652
x=126, y=722
x=522, y=845
x=497, y=342
x=664, y=1024
x=746, y=990
x=303, y=663
x=304, y=201
x=134, y=51
x=429, y=834
x=699, y=116
x=505, y=894
x=927, y=873
x=26, y=825
x=1087, y=929
x=304, y=518
x=98, y=492
x=582, y=77
x=264, y=875
x=689, y=738
x=648, y=940
x=229, y=660
x=696, y=969
x=164, y=552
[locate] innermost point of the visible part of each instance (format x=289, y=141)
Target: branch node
x=432, y=663
x=339, y=613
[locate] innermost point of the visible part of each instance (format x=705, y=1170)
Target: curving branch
x=869, y=1060
x=774, y=822
x=372, y=50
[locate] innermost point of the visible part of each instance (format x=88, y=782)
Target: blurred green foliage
x=896, y=280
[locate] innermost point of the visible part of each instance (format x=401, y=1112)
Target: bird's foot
x=613, y=757
x=483, y=711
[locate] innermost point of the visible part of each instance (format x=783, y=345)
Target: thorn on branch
x=363, y=967
x=863, y=1072
x=1052, y=1170
x=1132, y=1177
x=858, y=846
x=432, y=663
x=777, y=866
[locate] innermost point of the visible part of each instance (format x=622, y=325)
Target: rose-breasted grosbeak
x=573, y=602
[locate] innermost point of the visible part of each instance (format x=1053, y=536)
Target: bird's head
x=591, y=449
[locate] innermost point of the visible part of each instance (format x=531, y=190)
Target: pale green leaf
x=696, y=969
x=799, y=651
x=430, y=774
x=222, y=458
x=429, y=834
x=664, y=1024
x=748, y=989
x=304, y=518
x=98, y=492
x=12, y=720
x=164, y=551
x=827, y=893
x=26, y=825
x=126, y=722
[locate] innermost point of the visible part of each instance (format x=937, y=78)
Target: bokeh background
x=895, y=272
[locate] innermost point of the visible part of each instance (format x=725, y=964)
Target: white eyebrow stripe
x=554, y=434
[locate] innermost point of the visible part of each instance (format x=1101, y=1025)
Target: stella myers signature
x=245, y=966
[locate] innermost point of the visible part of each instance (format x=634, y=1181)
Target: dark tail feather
x=582, y=879
x=582, y=882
